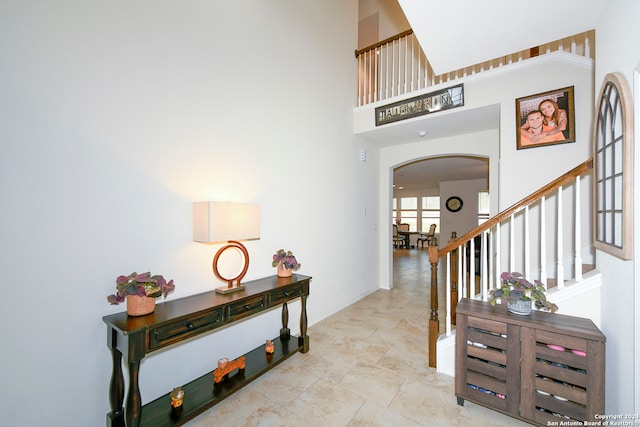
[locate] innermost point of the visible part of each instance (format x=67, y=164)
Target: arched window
x=613, y=165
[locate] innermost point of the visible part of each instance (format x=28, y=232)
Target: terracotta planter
x=139, y=306
x=283, y=271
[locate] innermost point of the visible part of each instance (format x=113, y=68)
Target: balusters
x=398, y=66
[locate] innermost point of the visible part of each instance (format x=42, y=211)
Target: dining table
x=406, y=238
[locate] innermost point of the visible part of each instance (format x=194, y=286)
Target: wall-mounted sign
x=428, y=103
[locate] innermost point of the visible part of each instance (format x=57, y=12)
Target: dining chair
x=397, y=241
x=406, y=239
x=431, y=234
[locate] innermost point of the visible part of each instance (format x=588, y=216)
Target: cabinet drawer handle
x=286, y=294
x=247, y=307
x=190, y=325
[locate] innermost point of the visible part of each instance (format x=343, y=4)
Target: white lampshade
x=224, y=221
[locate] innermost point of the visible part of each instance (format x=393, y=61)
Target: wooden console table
x=177, y=320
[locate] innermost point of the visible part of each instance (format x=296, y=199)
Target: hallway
x=367, y=366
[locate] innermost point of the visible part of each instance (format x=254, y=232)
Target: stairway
x=541, y=236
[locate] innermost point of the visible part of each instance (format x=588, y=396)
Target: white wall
x=116, y=116
x=466, y=218
x=390, y=17
x=617, y=36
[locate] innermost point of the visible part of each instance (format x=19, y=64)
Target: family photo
x=545, y=119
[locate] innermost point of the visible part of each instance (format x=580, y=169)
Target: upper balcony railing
x=397, y=65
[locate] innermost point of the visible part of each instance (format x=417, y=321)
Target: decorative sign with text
x=428, y=103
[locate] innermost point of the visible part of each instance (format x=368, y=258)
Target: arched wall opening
x=422, y=187
x=480, y=145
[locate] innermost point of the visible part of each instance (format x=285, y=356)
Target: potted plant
x=140, y=292
x=286, y=263
x=519, y=294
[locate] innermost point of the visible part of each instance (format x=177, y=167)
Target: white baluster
x=367, y=78
x=577, y=231
x=413, y=53
x=376, y=85
x=490, y=258
x=498, y=269
x=527, y=243
x=404, y=63
x=483, y=266
x=389, y=66
x=447, y=320
x=472, y=263
x=360, y=78
x=512, y=244
x=462, y=289
x=465, y=280
x=560, y=263
x=543, y=241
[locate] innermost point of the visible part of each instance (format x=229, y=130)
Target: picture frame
x=546, y=118
x=428, y=103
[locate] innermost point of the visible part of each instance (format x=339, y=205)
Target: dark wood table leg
x=116, y=391
x=133, y=410
x=116, y=386
x=304, y=338
x=285, y=332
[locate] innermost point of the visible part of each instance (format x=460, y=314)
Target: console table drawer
x=245, y=308
x=179, y=331
x=282, y=295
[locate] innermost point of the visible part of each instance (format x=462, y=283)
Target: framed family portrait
x=545, y=119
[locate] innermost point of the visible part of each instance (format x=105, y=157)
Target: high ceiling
x=429, y=173
x=456, y=34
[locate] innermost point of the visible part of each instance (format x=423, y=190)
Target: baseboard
x=446, y=355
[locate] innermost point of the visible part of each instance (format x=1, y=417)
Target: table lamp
x=215, y=222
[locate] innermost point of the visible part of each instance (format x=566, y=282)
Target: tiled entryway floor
x=368, y=366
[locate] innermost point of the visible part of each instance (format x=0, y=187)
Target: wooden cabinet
x=543, y=368
x=131, y=338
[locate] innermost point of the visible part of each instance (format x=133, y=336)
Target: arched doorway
x=421, y=188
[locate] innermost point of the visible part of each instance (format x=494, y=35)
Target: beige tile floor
x=368, y=366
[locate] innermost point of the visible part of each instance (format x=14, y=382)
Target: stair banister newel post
x=452, y=277
x=434, y=323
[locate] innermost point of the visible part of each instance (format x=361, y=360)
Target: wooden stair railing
x=398, y=66
x=456, y=247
